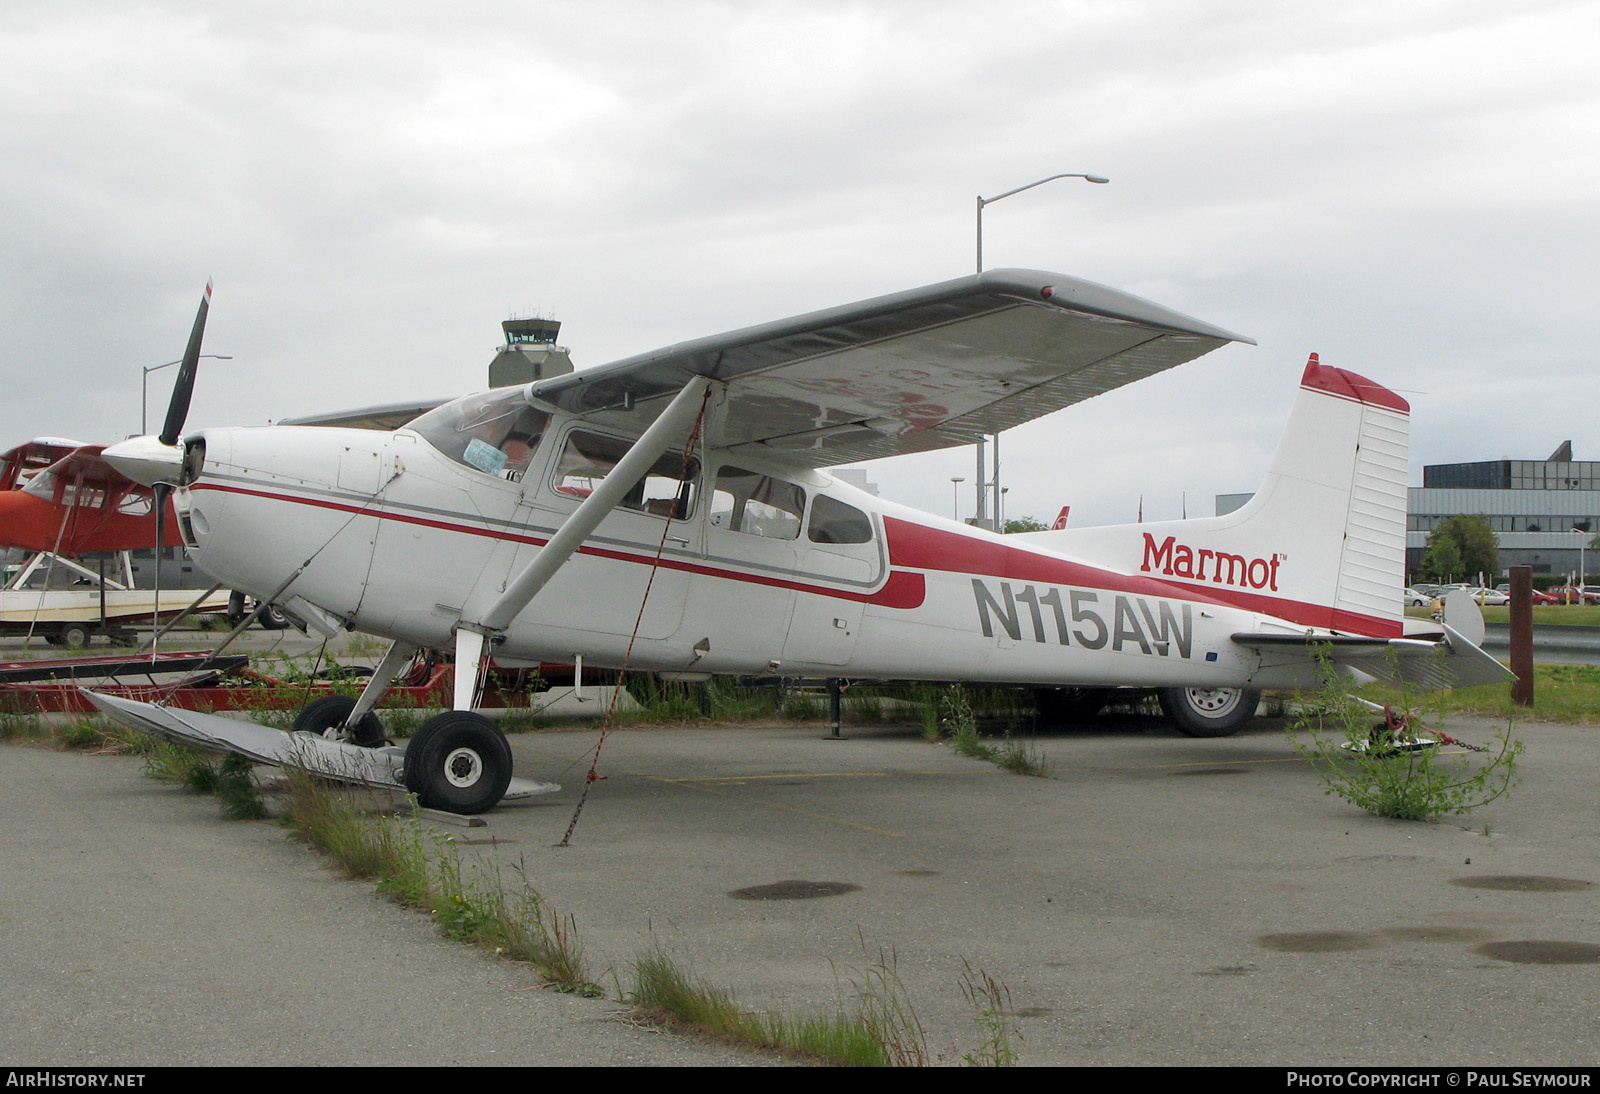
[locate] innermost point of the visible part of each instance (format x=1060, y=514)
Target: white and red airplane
x=670, y=512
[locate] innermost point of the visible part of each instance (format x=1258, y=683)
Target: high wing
x=930, y=368
x=22, y=462
x=384, y=417
x=82, y=464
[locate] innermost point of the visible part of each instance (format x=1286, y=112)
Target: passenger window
x=667, y=489
x=835, y=522
x=757, y=505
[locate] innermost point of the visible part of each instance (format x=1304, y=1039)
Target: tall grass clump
x=876, y=1032
x=991, y=1005
x=958, y=725
x=230, y=777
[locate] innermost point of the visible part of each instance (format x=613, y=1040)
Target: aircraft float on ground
x=670, y=512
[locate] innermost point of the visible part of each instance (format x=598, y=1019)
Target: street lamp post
x=955, y=496
x=144, y=385
x=982, y=201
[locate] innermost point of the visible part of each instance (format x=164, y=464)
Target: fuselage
x=762, y=568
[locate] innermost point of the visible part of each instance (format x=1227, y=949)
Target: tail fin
x=1322, y=543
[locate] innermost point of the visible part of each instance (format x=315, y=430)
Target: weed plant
x=17, y=722
x=236, y=789
x=231, y=777
x=1376, y=764
x=991, y=1005
x=959, y=725
x=188, y=767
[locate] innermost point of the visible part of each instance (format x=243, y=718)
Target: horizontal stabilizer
x=1291, y=660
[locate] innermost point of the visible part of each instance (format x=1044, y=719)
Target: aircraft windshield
x=495, y=432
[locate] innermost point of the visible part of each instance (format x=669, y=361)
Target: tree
x=1461, y=545
x=1025, y=524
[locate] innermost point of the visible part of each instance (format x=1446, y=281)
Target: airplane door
x=602, y=586
x=841, y=551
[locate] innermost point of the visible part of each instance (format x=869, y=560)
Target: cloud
x=374, y=186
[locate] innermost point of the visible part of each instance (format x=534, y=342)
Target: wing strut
x=677, y=418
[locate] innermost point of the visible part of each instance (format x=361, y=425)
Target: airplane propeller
x=183, y=388
x=160, y=461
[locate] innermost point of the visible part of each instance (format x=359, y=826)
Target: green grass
x=423, y=869
x=1559, y=615
x=957, y=723
x=230, y=777
x=1561, y=693
x=879, y=1030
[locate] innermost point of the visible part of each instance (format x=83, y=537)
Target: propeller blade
x=178, y=408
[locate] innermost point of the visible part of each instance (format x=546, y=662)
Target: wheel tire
x=1209, y=712
x=235, y=610
x=271, y=619
x=74, y=636
x=458, y=762
x=1069, y=706
x=330, y=713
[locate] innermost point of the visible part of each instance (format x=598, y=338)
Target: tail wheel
x=326, y=717
x=1209, y=712
x=458, y=762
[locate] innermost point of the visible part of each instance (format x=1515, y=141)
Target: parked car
x=1572, y=594
x=1541, y=597
x=1416, y=598
x=1490, y=597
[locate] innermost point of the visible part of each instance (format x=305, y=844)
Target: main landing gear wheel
x=271, y=619
x=458, y=762
x=325, y=717
x=1209, y=712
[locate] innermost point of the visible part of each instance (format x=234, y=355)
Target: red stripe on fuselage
x=924, y=548
x=903, y=589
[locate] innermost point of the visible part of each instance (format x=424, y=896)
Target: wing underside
x=926, y=369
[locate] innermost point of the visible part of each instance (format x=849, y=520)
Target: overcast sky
x=1408, y=188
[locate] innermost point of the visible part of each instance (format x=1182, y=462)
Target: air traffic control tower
x=530, y=353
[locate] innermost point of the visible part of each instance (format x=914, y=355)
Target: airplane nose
x=146, y=460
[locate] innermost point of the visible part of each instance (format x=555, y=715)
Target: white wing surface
x=929, y=368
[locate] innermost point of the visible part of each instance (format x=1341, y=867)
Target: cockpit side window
x=495, y=432
x=756, y=504
x=667, y=489
x=835, y=522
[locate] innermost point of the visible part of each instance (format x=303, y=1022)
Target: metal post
x=981, y=514
x=1522, y=635
x=834, y=705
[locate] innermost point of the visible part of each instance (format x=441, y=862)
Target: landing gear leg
x=378, y=685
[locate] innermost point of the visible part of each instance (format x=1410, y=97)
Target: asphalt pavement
x=1156, y=900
